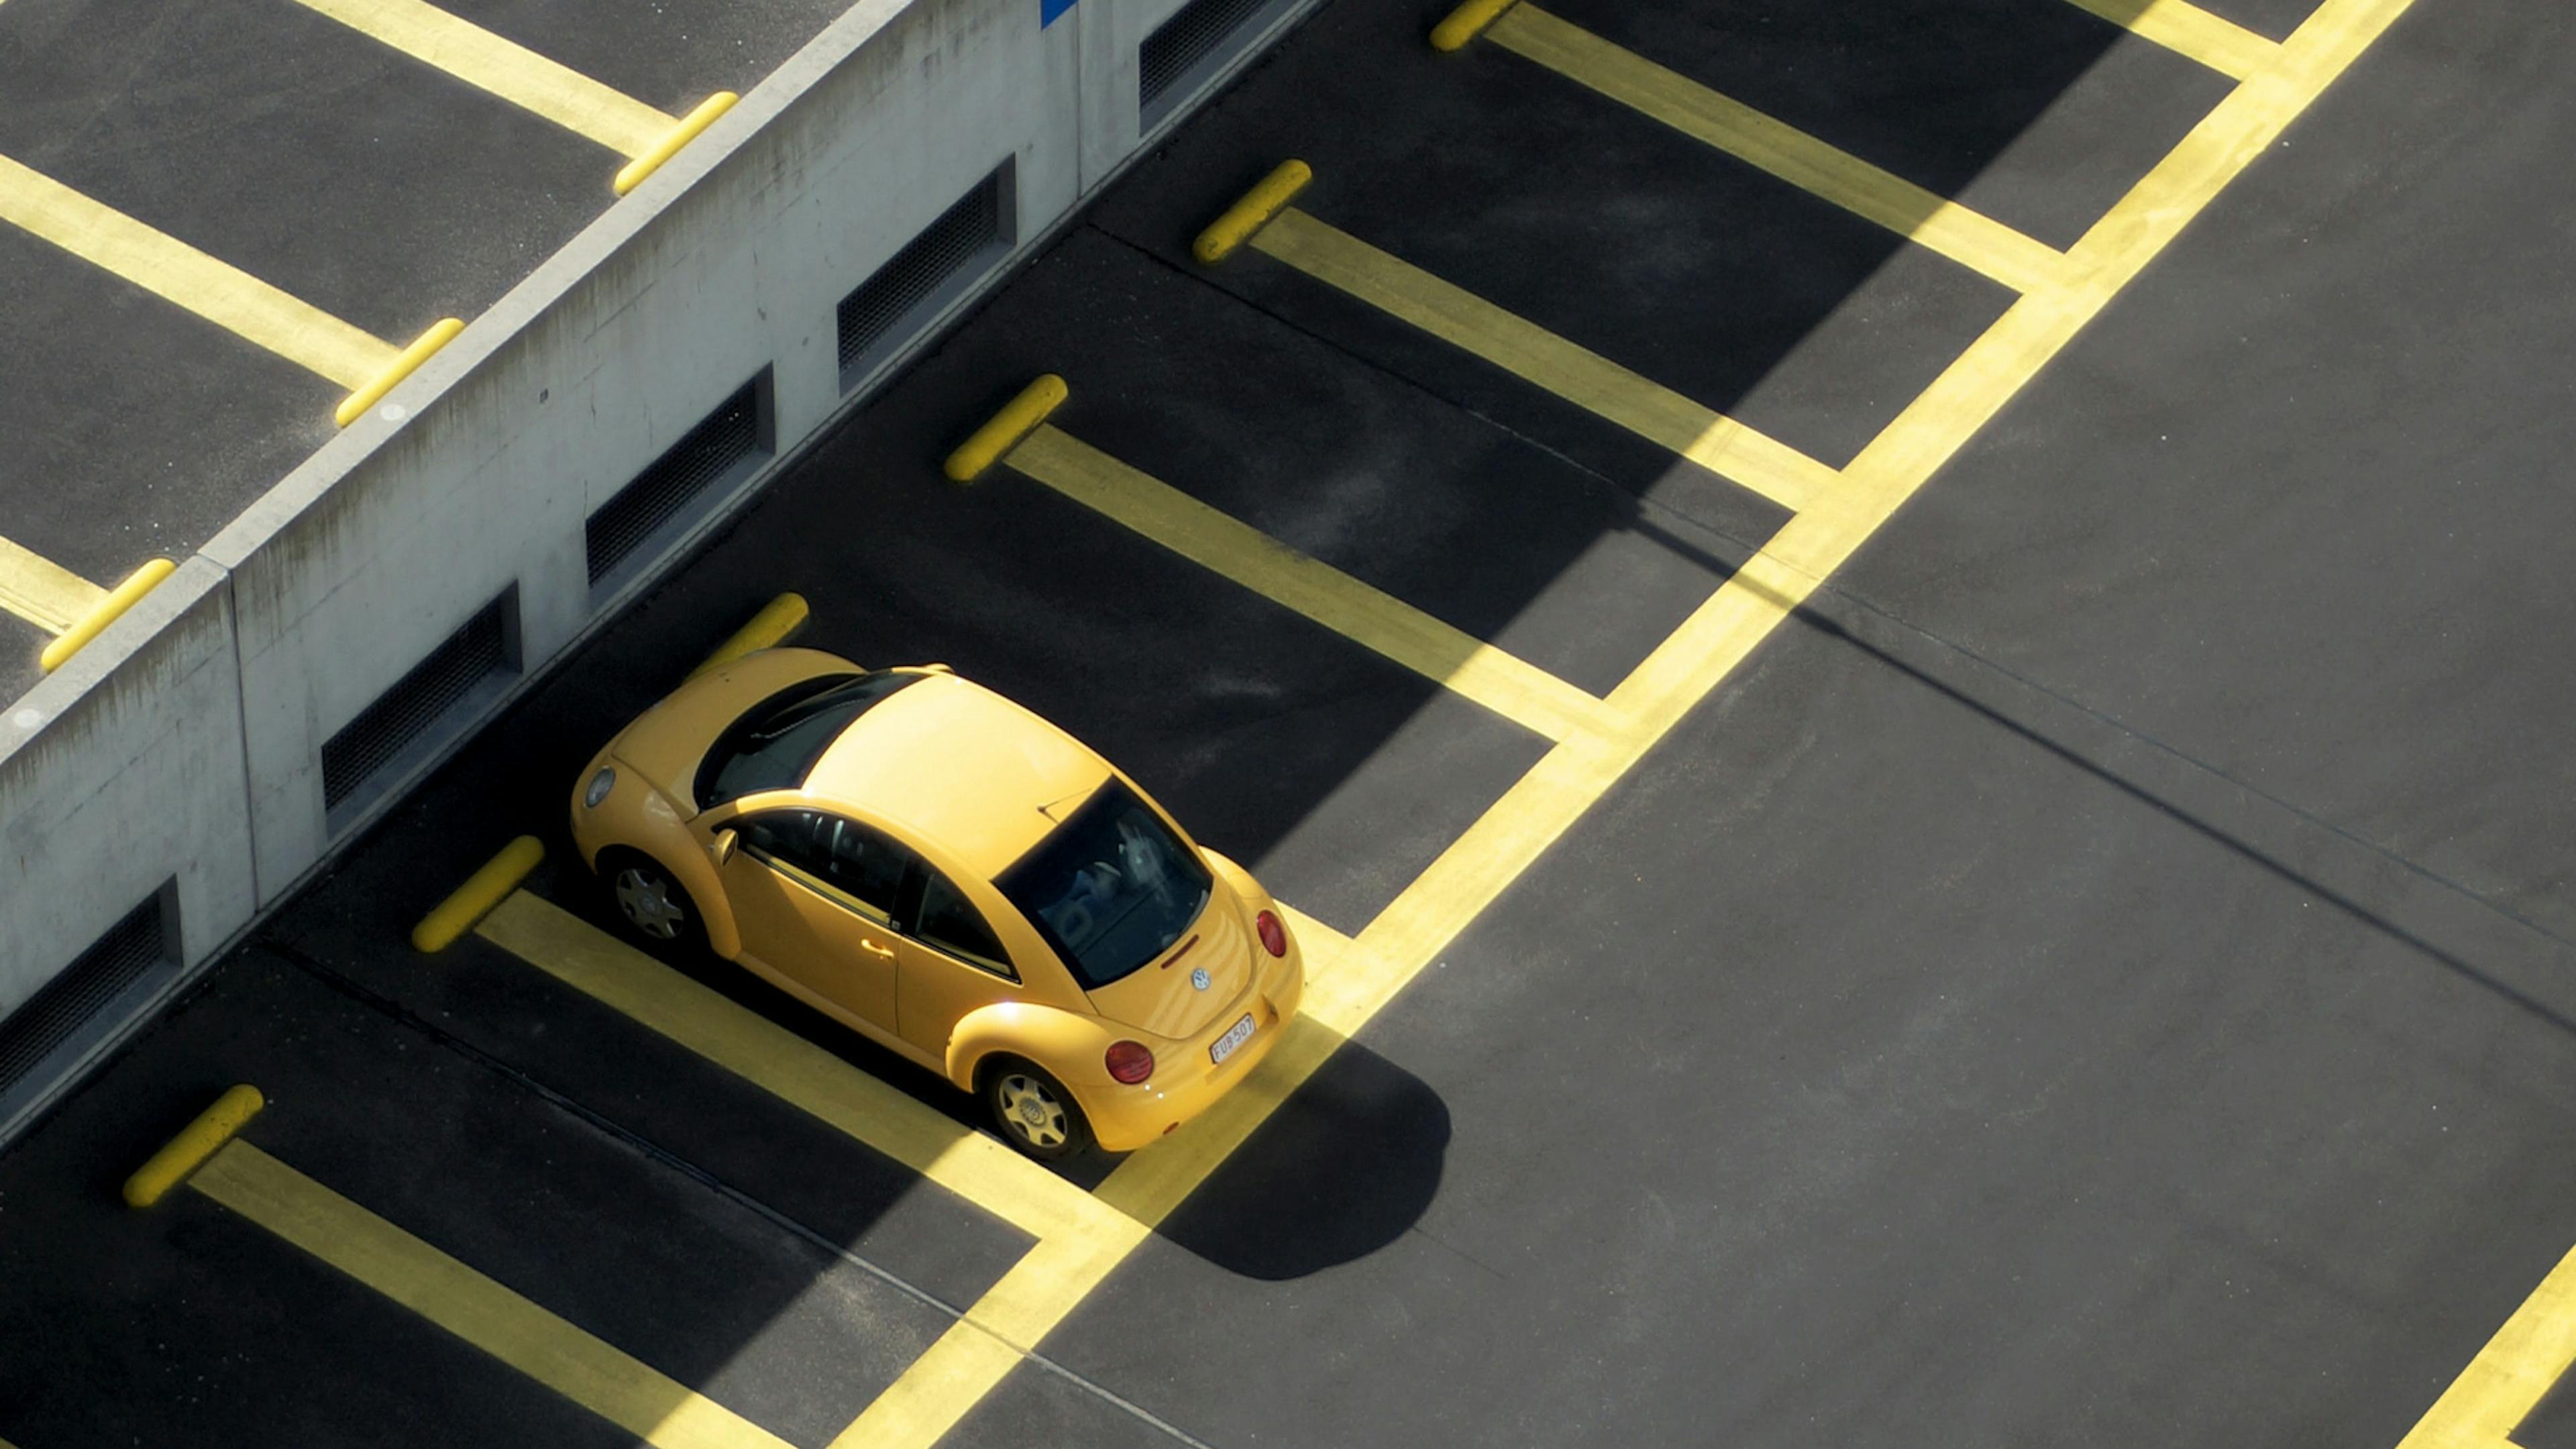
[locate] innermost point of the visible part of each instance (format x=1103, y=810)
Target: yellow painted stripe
x=1967, y=237
x=43, y=592
x=217, y=291
x=506, y=69
x=787, y=1066
x=981, y=1348
x=2510, y=1376
x=1033, y=1298
x=2223, y=45
x=1532, y=353
x=600, y=1378
x=1428, y=915
x=1503, y=683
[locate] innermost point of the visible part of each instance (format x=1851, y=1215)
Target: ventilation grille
x=931, y=268
x=1194, y=33
x=470, y=656
x=712, y=451
x=72, y=1000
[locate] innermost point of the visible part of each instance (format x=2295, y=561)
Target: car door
x=814, y=896
x=952, y=963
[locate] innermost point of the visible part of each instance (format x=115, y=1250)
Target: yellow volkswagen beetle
x=953, y=877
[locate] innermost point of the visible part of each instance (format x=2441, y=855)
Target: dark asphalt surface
x=385, y=192
x=2104, y=973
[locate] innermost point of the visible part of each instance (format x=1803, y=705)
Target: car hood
x=666, y=743
x=1160, y=998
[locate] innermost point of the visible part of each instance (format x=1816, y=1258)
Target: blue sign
x=1048, y=10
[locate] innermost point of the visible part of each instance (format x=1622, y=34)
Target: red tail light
x=1129, y=1061
x=1274, y=936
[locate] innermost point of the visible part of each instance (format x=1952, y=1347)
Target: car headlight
x=600, y=785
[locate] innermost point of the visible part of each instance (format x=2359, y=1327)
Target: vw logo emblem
x=1200, y=979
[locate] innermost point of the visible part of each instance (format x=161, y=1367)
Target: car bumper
x=1185, y=1083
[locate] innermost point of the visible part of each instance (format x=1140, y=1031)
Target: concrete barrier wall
x=121, y=780
x=133, y=780
x=185, y=744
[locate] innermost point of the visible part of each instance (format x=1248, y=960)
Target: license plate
x=1236, y=1036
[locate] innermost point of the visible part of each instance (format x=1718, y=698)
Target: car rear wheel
x=654, y=907
x=1034, y=1112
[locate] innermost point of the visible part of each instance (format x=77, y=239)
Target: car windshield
x=1111, y=889
x=776, y=742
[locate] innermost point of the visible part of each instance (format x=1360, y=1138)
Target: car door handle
x=873, y=947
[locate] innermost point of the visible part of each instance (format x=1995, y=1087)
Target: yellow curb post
x=440, y=333
x=632, y=174
x=1268, y=197
x=104, y=612
x=1466, y=23
x=196, y=1142
x=1018, y=418
x=474, y=900
x=777, y=622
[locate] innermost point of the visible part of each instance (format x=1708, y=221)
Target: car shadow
x=1344, y=1167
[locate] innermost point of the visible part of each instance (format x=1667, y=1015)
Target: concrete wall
x=185, y=743
x=123, y=770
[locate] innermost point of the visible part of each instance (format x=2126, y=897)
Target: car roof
x=955, y=764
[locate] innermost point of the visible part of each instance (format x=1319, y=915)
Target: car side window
x=842, y=853
x=786, y=836
x=950, y=922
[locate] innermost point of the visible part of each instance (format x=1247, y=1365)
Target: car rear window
x=776, y=742
x=1111, y=888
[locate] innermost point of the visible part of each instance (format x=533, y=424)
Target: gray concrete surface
x=2098, y=975
x=315, y=158
x=470, y=487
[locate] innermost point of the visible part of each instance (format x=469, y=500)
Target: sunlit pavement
x=1918, y=736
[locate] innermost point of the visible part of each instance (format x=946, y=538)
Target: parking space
x=1579, y=217
x=2063, y=1095
x=2037, y=113
x=215, y=228
x=1780, y=967
x=438, y=1189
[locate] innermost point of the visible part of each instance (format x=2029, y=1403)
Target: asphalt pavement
x=366, y=183
x=2099, y=968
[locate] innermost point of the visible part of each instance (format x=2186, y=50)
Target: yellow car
x=953, y=877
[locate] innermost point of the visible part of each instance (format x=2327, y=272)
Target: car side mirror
x=722, y=846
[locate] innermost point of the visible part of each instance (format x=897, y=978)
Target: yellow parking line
x=2223, y=45
x=2511, y=1375
x=1507, y=685
x=591, y=1373
x=980, y=1349
x=507, y=69
x=1428, y=915
x=787, y=1066
x=1589, y=381
x=1967, y=237
x=43, y=592
x=217, y=291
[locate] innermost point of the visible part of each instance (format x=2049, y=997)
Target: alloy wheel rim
x=1032, y=1111
x=646, y=901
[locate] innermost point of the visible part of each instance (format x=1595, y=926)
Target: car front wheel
x=653, y=906
x=1034, y=1112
